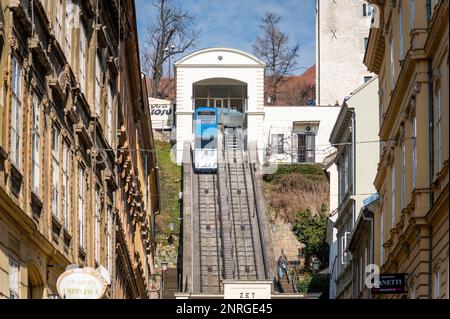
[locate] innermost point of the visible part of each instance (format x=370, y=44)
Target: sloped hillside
x=294, y=188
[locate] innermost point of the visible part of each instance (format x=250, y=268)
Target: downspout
x=431, y=165
x=353, y=163
x=430, y=157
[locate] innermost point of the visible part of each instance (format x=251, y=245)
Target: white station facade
x=230, y=78
x=222, y=78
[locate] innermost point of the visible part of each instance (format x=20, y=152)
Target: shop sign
x=83, y=283
x=390, y=284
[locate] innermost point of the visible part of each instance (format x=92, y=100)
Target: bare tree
x=299, y=94
x=173, y=31
x=273, y=49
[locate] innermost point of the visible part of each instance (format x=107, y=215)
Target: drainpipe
x=431, y=162
x=353, y=163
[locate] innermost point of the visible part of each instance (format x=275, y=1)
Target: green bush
x=310, y=229
x=311, y=283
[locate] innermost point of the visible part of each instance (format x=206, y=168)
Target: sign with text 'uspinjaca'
x=390, y=284
x=83, y=283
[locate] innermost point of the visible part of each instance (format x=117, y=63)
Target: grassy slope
x=170, y=176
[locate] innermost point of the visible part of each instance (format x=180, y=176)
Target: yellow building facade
x=63, y=128
x=408, y=48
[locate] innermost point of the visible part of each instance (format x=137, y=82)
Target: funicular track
x=243, y=241
x=226, y=232
x=206, y=204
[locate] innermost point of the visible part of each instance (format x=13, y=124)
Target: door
x=218, y=103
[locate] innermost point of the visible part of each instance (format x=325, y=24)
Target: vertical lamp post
x=169, y=50
x=164, y=265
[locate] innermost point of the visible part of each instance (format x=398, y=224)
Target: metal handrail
x=258, y=216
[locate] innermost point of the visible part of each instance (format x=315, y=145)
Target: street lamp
x=164, y=265
x=316, y=264
x=169, y=50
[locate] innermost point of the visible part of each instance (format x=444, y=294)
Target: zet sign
x=83, y=283
x=247, y=289
x=390, y=284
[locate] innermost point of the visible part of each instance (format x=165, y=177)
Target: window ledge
x=36, y=206
x=81, y=253
x=16, y=180
x=56, y=227
x=67, y=239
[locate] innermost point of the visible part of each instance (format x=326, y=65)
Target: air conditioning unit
x=308, y=128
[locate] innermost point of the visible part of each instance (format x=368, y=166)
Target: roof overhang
x=245, y=58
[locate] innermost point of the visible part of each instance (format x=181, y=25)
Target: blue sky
x=234, y=23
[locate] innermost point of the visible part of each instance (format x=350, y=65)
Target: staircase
x=285, y=286
x=170, y=283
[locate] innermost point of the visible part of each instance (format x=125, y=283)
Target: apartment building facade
x=355, y=138
x=63, y=114
x=408, y=48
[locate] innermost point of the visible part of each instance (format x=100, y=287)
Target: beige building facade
x=408, y=47
x=63, y=113
x=355, y=138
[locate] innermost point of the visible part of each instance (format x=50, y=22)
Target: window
x=68, y=29
x=81, y=207
x=97, y=225
x=13, y=279
x=55, y=172
x=98, y=75
x=82, y=58
x=382, y=236
x=439, y=130
x=366, y=41
x=400, y=26
x=58, y=20
x=367, y=79
x=350, y=169
x=16, y=110
x=35, y=144
x=393, y=195
x=392, y=66
x=345, y=241
x=437, y=283
x=306, y=148
x=403, y=175
x=346, y=172
x=66, y=185
x=411, y=14
x=414, y=155
x=109, y=114
x=367, y=10
x=278, y=143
